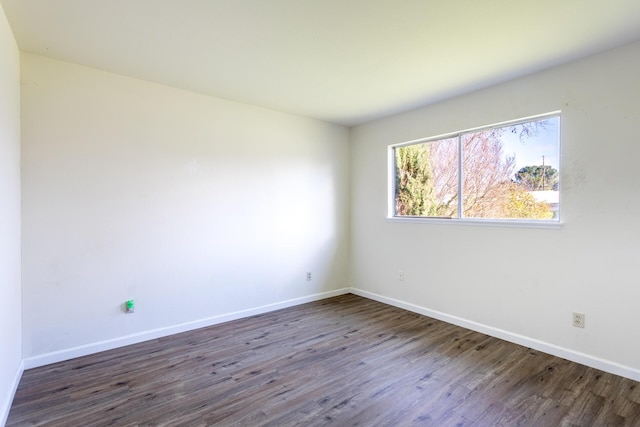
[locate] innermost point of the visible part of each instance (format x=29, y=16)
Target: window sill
x=554, y=225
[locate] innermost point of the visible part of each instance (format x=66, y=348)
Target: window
x=507, y=172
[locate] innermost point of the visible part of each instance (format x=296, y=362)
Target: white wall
x=523, y=283
x=10, y=300
x=193, y=206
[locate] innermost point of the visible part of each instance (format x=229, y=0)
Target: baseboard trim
x=66, y=354
x=6, y=406
x=574, y=356
x=84, y=350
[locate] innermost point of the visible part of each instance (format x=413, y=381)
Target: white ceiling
x=343, y=61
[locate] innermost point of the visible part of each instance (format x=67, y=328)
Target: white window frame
x=460, y=220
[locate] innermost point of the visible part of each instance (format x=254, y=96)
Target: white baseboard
x=6, y=406
x=84, y=350
x=578, y=357
x=574, y=356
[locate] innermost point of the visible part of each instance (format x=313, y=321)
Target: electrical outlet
x=308, y=276
x=401, y=275
x=578, y=320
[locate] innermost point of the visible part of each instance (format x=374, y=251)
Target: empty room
x=319, y=212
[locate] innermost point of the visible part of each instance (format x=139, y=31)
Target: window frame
x=459, y=219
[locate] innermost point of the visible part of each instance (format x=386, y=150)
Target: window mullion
x=460, y=177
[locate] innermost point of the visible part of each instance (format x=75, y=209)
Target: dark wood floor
x=344, y=361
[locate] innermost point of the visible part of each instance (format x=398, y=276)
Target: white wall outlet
x=578, y=320
x=308, y=276
x=401, y=275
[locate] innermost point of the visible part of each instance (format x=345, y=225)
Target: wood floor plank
x=344, y=361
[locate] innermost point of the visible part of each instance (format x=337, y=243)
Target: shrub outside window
x=506, y=172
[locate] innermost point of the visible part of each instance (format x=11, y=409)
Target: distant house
x=552, y=198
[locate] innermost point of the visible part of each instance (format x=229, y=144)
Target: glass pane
x=512, y=172
x=427, y=179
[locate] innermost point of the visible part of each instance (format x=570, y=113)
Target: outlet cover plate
x=578, y=320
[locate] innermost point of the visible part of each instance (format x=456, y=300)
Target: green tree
x=537, y=178
x=414, y=181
